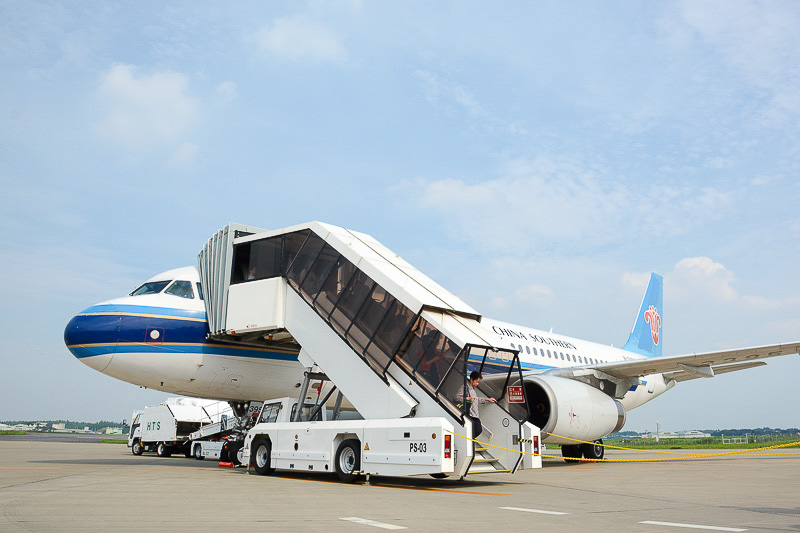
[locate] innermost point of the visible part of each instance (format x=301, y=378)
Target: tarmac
x=50, y=484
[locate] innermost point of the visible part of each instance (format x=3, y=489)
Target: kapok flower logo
x=651, y=316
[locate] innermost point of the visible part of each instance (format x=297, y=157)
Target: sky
x=537, y=159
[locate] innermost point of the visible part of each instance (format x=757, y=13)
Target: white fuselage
x=159, y=341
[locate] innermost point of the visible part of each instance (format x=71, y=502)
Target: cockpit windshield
x=151, y=287
x=181, y=288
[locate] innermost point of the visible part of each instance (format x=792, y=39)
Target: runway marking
x=373, y=523
x=691, y=526
x=540, y=511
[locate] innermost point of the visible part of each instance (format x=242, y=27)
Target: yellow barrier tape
x=687, y=454
x=678, y=456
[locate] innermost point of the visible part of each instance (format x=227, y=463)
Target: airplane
x=576, y=390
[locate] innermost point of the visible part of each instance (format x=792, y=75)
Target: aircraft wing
x=703, y=365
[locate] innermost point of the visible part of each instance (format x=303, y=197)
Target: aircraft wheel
x=260, y=458
x=348, y=460
x=137, y=448
x=233, y=453
x=570, y=452
x=596, y=450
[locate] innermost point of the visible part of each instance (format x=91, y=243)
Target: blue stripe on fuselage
x=107, y=328
x=144, y=310
x=111, y=328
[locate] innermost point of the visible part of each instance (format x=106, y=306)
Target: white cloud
x=558, y=204
x=636, y=281
x=228, y=90
x=144, y=110
x=759, y=41
x=534, y=294
x=700, y=283
x=452, y=97
x=499, y=303
x=185, y=155
x=439, y=92
x=296, y=38
x=700, y=277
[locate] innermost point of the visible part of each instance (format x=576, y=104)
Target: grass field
x=760, y=441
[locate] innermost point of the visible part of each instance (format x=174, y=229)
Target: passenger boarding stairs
x=485, y=463
x=394, y=342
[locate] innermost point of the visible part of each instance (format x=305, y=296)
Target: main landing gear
x=593, y=451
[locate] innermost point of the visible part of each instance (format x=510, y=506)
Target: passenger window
x=151, y=287
x=528, y=350
x=182, y=289
x=535, y=351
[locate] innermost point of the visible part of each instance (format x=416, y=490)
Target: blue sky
x=538, y=159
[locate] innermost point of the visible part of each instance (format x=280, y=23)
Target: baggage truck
x=165, y=428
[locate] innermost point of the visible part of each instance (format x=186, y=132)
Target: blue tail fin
x=646, y=338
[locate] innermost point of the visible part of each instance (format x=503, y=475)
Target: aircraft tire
x=596, y=450
x=233, y=453
x=348, y=460
x=570, y=452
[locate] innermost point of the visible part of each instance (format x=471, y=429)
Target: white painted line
x=531, y=510
x=691, y=526
x=373, y=523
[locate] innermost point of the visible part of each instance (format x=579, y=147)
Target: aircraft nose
x=92, y=335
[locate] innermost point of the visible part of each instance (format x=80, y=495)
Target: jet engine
x=563, y=407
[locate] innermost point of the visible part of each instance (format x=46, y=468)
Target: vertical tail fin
x=646, y=338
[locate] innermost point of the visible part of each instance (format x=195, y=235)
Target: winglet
x=646, y=337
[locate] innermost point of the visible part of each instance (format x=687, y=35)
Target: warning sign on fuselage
x=515, y=394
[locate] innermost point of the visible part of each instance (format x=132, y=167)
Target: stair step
x=488, y=471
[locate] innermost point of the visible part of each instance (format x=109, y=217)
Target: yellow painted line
x=98, y=345
x=145, y=315
x=179, y=344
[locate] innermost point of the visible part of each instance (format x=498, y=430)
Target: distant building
x=60, y=425
x=690, y=434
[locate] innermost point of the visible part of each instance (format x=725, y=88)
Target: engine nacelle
x=563, y=407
